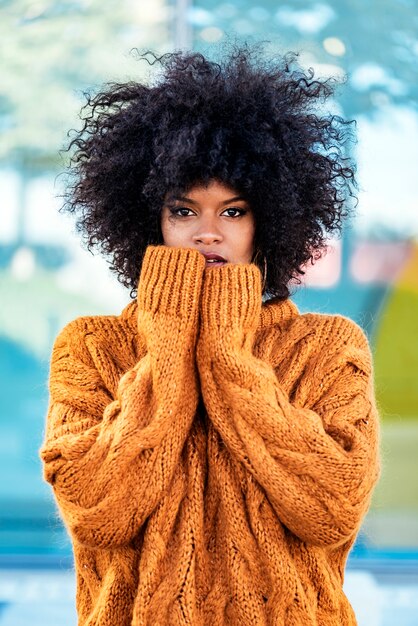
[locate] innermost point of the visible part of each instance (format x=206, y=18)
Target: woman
x=212, y=455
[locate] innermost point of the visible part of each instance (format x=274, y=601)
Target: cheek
x=164, y=229
x=172, y=235
x=248, y=237
x=244, y=243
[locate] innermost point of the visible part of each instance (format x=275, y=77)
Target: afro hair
x=255, y=124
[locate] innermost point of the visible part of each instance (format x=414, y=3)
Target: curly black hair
x=253, y=123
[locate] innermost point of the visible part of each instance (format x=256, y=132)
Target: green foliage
x=396, y=356
x=53, y=50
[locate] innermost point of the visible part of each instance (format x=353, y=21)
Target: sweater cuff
x=171, y=281
x=231, y=298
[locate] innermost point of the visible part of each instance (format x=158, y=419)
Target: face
x=211, y=219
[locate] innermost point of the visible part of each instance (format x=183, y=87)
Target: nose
x=207, y=232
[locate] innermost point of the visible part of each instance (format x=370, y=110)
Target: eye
x=174, y=211
x=240, y=212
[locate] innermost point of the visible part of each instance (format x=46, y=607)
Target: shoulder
x=282, y=318
x=312, y=339
x=84, y=334
x=336, y=340
x=335, y=330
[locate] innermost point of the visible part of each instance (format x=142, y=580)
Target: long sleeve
x=110, y=459
x=316, y=467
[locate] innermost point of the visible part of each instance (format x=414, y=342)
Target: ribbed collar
x=276, y=311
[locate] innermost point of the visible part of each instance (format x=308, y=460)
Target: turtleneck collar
x=276, y=311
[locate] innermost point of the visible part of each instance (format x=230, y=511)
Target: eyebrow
x=190, y=201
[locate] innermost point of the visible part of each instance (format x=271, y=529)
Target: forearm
x=109, y=469
x=318, y=478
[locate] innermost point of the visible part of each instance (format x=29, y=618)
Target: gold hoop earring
x=264, y=273
x=263, y=269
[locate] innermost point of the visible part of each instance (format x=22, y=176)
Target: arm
x=317, y=467
x=110, y=461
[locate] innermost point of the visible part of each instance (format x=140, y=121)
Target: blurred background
x=51, y=53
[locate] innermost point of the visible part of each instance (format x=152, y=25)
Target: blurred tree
x=51, y=51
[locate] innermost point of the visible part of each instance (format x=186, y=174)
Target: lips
x=211, y=257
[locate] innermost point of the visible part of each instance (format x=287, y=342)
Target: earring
x=263, y=269
x=264, y=273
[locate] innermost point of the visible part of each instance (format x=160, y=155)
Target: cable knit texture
x=212, y=456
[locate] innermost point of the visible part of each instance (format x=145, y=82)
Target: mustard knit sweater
x=212, y=456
